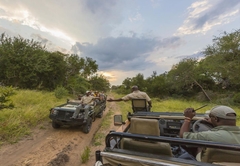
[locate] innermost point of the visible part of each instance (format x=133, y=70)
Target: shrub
x=86, y=154
x=5, y=93
x=60, y=92
x=236, y=98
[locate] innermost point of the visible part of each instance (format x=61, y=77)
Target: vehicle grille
x=63, y=115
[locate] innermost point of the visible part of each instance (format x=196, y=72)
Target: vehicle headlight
x=53, y=111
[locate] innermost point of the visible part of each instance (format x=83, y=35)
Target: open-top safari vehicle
x=61, y=115
x=151, y=138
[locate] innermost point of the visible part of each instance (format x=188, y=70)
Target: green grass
x=171, y=105
x=31, y=108
x=85, y=155
x=100, y=135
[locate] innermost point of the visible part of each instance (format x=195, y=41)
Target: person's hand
x=110, y=99
x=189, y=112
x=207, y=119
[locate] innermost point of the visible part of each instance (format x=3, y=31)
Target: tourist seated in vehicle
x=86, y=102
x=223, y=119
x=79, y=97
x=136, y=94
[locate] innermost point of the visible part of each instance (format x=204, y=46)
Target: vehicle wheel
x=55, y=125
x=87, y=126
x=93, y=117
x=100, y=115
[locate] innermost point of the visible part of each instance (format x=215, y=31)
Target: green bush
x=5, y=93
x=60, y=92
x=236, y=98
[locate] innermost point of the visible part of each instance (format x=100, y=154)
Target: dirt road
x=50, y=147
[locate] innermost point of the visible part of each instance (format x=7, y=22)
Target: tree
x=223, y=60
x=157, y=86
x=181, y=75
x=99, y=83
x=77, y=84
x=26, y=64
x=89, y=68
x=139, y=81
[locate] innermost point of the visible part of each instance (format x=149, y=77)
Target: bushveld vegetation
x=214, y=77
x=85, y=155
x=27, y=64
x=30, y=109
x=41, y=79
x=172, y=105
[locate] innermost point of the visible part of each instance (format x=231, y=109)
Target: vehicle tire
x=55, y=125
x=93, y=117
x=100, y=115
x=87, y=126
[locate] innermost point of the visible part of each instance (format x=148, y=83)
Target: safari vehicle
x=151, y=138
x=61, y=115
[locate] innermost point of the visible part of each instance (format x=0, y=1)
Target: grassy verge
x=31, y=108
x=85, y=155
x=171, y=105
x=101, y=134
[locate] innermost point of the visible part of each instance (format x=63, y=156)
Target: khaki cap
x=222, y=112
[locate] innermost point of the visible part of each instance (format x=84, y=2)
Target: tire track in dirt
x=50, y=147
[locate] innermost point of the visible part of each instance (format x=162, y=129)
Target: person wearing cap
x=136, y=94
x=223, y=119
x=85, y=103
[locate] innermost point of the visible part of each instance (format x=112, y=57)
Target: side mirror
x=118, y=120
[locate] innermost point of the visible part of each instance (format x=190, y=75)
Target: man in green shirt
x=223, y=119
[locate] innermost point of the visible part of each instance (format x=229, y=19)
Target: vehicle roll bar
x=172, y=140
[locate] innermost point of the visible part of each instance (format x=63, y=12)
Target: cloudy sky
x=125, y=37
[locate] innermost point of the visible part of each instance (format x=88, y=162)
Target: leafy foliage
x=99, y=82
x=60, y=92
x=5, y=94
x=236, y=98
x=216, y=72
x=26, y=64
x=85, y=155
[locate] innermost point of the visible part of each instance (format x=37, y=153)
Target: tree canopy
x=217, y=71
x=27, y=64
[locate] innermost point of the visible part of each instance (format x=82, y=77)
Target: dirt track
x=50, y=147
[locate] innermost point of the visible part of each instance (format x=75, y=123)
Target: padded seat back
x=139, y=105
x=145, y=127
x=211, y=155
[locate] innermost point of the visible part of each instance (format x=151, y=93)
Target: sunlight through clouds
x=204, y=15
x=124, y=37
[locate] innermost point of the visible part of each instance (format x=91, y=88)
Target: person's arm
x=110, y=99
x=189, y=113
x=150, y=103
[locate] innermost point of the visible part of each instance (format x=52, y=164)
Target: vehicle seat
x=219, y=156
x=139, y=105
x=146, y=127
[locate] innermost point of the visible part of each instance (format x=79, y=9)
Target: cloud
x=205, y=14
x=83, y=21
x=48, y=44
x=197, y=55
x=124, y=53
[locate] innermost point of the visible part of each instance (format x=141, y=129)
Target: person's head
x=88, y=93
x=222, y=115
x=134, y=88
